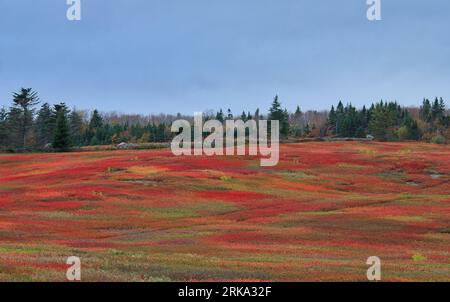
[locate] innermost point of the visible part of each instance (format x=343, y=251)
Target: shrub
x=403, y=133
x=438, y=139
x=419, y=257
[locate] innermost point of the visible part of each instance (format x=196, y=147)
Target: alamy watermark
x=374, y=10
x=74, y=271
x=374, y=271
x=74, y=11
x=236, y=142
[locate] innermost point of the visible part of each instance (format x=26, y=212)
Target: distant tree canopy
x=23, y=127
x=389, y=121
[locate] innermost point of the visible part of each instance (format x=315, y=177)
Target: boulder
x=123, y=145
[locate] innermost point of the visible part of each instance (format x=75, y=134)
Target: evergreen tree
x=61, y=139
x=220, y=116
x=442, y=106
x=425, y=111
x=332, y=119
x=276, y=113
x=348, y=122
x=76, y=128
x=379, y=122
x=436, y=111
x=3, y=128
x=45, y=124
x=96, y=121
x=295, y=123
x=21, y=116
x=244, y=116
x=94, y=134
x=339, y=117
x=383, y=120
x=413, y=129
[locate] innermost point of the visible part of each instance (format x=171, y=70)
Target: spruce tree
x=244, y=116
x=21, y=116
x=61, y=141
x=220, y=116
x=3, y=129
x=76, y=128
x=95, y=129
x=436, y=110
x=332, y=119
x=45, y=125
x=425, y=111
x=276, y=113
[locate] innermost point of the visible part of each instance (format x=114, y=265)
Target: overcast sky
x=151, y=56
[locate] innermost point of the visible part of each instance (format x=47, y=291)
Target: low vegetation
x=146, y=215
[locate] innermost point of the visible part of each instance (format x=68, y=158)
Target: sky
x=153, y=56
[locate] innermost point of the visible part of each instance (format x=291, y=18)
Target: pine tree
x=442, y=106
x=339, y=117
x=21, y=116
x=94, y=134
x=436, y=110
x=276, y=113
x=425, y=111
x=76, y=128
x=295, y=123
x=350, y=123
x=364, y=118
x=3, y=128
x=96, y=121
x=414, y=131
x=61, y=139
x=45, y=125
x=384, y=119
x=332, y=119
x=244, y=116
x=220, y=116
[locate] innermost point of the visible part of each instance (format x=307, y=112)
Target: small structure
x=370, y=137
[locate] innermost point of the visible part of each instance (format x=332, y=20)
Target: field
x=149, y=216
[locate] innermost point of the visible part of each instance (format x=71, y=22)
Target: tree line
x=390, y=121
x=23, y=127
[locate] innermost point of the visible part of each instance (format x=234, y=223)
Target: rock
x=123, y=145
